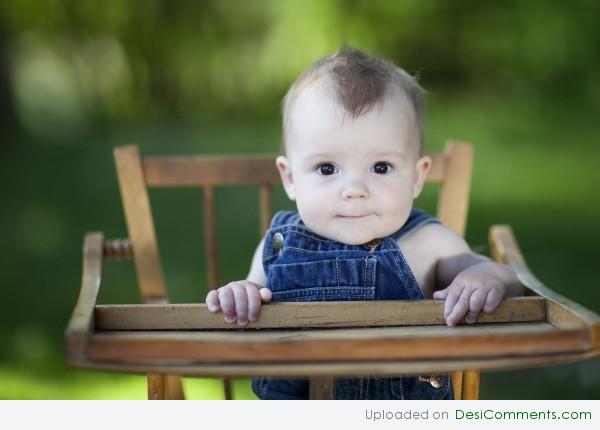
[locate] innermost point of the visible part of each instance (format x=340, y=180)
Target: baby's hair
x=359, y=81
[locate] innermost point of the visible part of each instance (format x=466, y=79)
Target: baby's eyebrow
x=390, y=154
x=326, y=155
x=320, y=156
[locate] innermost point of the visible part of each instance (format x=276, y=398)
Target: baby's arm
x=241, y=300
x=474, y=282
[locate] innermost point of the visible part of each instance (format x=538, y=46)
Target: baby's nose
x=354, y=191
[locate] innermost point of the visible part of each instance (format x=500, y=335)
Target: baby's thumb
x=265, y=295
x=441, y=294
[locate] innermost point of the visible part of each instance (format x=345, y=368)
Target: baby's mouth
x=352, y=216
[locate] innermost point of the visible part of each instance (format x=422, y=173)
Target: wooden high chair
x=382, y=338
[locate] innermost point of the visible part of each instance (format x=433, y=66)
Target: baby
x=352, y=161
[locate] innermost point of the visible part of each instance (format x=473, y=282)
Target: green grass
x=86, y=384
x=535, y=169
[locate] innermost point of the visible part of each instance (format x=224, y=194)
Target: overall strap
x=273, y=236
x=416, y=219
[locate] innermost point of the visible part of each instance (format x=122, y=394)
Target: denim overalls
x=302, y=266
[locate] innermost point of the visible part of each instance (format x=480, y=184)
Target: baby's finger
x=451, y=300
x=460, y=308
x=253, y=302
x=212, y=301
x=493, y=299
x=455, y=289
x=475, y=304
x=226, y=300
x=241, y=304
x=440, y=294
x=265, y=295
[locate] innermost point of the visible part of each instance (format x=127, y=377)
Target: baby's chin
x=348, y=234
x=355, y=240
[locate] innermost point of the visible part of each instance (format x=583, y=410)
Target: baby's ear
x=285, y=171
x=421, y=169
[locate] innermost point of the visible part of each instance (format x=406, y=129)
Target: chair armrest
x=560, y=310
x=81, y=323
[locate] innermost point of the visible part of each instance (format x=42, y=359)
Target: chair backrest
x=452, y=169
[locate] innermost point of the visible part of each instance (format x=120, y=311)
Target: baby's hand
x=240, y=301
x=481, y=286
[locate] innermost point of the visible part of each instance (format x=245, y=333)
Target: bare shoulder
x=437, y=237
x=424, y=247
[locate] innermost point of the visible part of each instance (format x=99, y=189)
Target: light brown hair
x=359, y=81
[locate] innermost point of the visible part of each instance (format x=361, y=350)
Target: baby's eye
x=381, y=167
x=326, y=169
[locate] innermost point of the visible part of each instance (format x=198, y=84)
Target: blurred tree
x=8, y=118
x=157, y=57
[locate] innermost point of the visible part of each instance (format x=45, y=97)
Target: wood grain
x=470, y=385
x=81, y=323
x=210, y=238
x=265, y=205
x=308, y=314
x=140, y=223
x=453, y=202
x=344, y=368
x=561, y=311
x=384, y=343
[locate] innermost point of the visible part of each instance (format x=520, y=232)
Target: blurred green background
x=521, y=80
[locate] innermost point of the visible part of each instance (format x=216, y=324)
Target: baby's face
x=353, y=180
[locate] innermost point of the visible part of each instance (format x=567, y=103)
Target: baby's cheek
x=398, y=210
x=318, y=223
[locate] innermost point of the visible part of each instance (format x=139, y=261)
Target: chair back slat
x=140, y=224
x=196, y=171
x=265, y=202
x=453, y=201
x=210, y=235
x=438, y=165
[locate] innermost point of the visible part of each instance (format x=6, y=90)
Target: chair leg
x=471, y=385
x=157, y=386
x=322, y=388
x=228, y=389
x=175, y=388
x=164, y=387
x=457, y=384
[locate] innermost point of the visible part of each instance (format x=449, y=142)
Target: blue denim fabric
x=303, y=266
